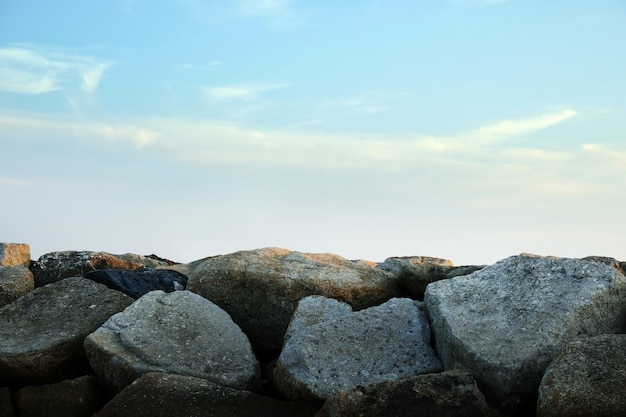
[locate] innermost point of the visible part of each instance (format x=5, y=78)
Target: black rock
x=136, y=283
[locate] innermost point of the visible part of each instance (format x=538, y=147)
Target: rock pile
x=272, y=332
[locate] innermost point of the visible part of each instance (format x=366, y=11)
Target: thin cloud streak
x=240, y=91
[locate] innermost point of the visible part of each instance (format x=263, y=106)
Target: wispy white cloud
x=368, y=102
x=31, y=69
x=240, y=91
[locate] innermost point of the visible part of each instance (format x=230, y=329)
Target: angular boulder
x=14, y=254
x=167, y=395
x=386, y=342
x=505, y=323
x=136, y=283
x=55, y=266
x=260, y=289
x=178, y=332
x=79, y=397
x=586, y=379
x=15, y=281
x=444, y=394
x=42, y=333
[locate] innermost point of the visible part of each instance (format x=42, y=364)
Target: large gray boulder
x=42, y=333
x=14, y=254
x=505, y=323
x=260, y=289
x=586, y=379
x=55, y=266
x=443, y=394
x=341, y=351
x=166, y=395
x=15, y=281
x=178, y=332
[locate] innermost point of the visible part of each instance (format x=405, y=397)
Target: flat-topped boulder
x=179, y=333
x=346, y=349
x=55, y=266
x=505, y=323
x=42, y=333
x=14, y=254
x=261, y=288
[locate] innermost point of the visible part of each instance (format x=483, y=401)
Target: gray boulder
x=15, y=281
x=444, y=394
x=379, y=343
x=166, y=395
x=55, y=266
x=79, y=397
x=260, y=289
x=14, y=254
x=313, y=310
x=586, y=379
x=178, y=332
x=505, y=323
x=42, y=333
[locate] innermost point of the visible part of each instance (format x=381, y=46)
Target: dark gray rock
x=506, y=322
x=586, y=379
x=166, y=395
x=6, y=403
x=260, y=289
x=55, y=266
x=15, y=281
x=136, y=283
x=385, y=342
x=80, y=397
x=178, y=332
x=445, y=394
x=42, y=333
x=14, y=254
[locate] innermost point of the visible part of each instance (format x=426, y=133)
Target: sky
x=470, y=130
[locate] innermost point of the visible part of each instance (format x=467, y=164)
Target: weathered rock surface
x=586, y=379
x=41, y=333
x=416, y=272
x=6, y=403
x=260, y=289
x=505, y=323
x=166, y=395
x=314, y=310
x=379, y=343
x=178, y=332
x=14, y=254
x=136, y=283
x=612, y=262
x=15, y=281
x=445, y=394
x=55, y=266
x=80, y=397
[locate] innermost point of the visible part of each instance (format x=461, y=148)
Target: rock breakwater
x=284, y=333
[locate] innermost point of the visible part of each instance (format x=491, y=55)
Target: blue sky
x=465, y=129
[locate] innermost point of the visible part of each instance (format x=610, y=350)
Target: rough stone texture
x=420, y=264
x=260, y=289
x=178, y=332
x=41, y=333
x=55, y=266
x=136, y=283
x=166, y=395
x=14, y=254
x=6, y=403
x=15, y=281
x=313, y=310
x=445, y=394
x=505, y=323
x=586, y=379
x=389, y=341
x=612, y=262
x=80, y=397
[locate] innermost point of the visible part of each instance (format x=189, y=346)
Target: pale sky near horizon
x=470, y=130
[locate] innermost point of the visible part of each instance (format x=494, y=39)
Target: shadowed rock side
x=586, y=379
x=345, y=349
x=136, y=283
x=260, y=289
x=505, y=323
x=42, y=333
x=163, y=395
x=177, y=332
